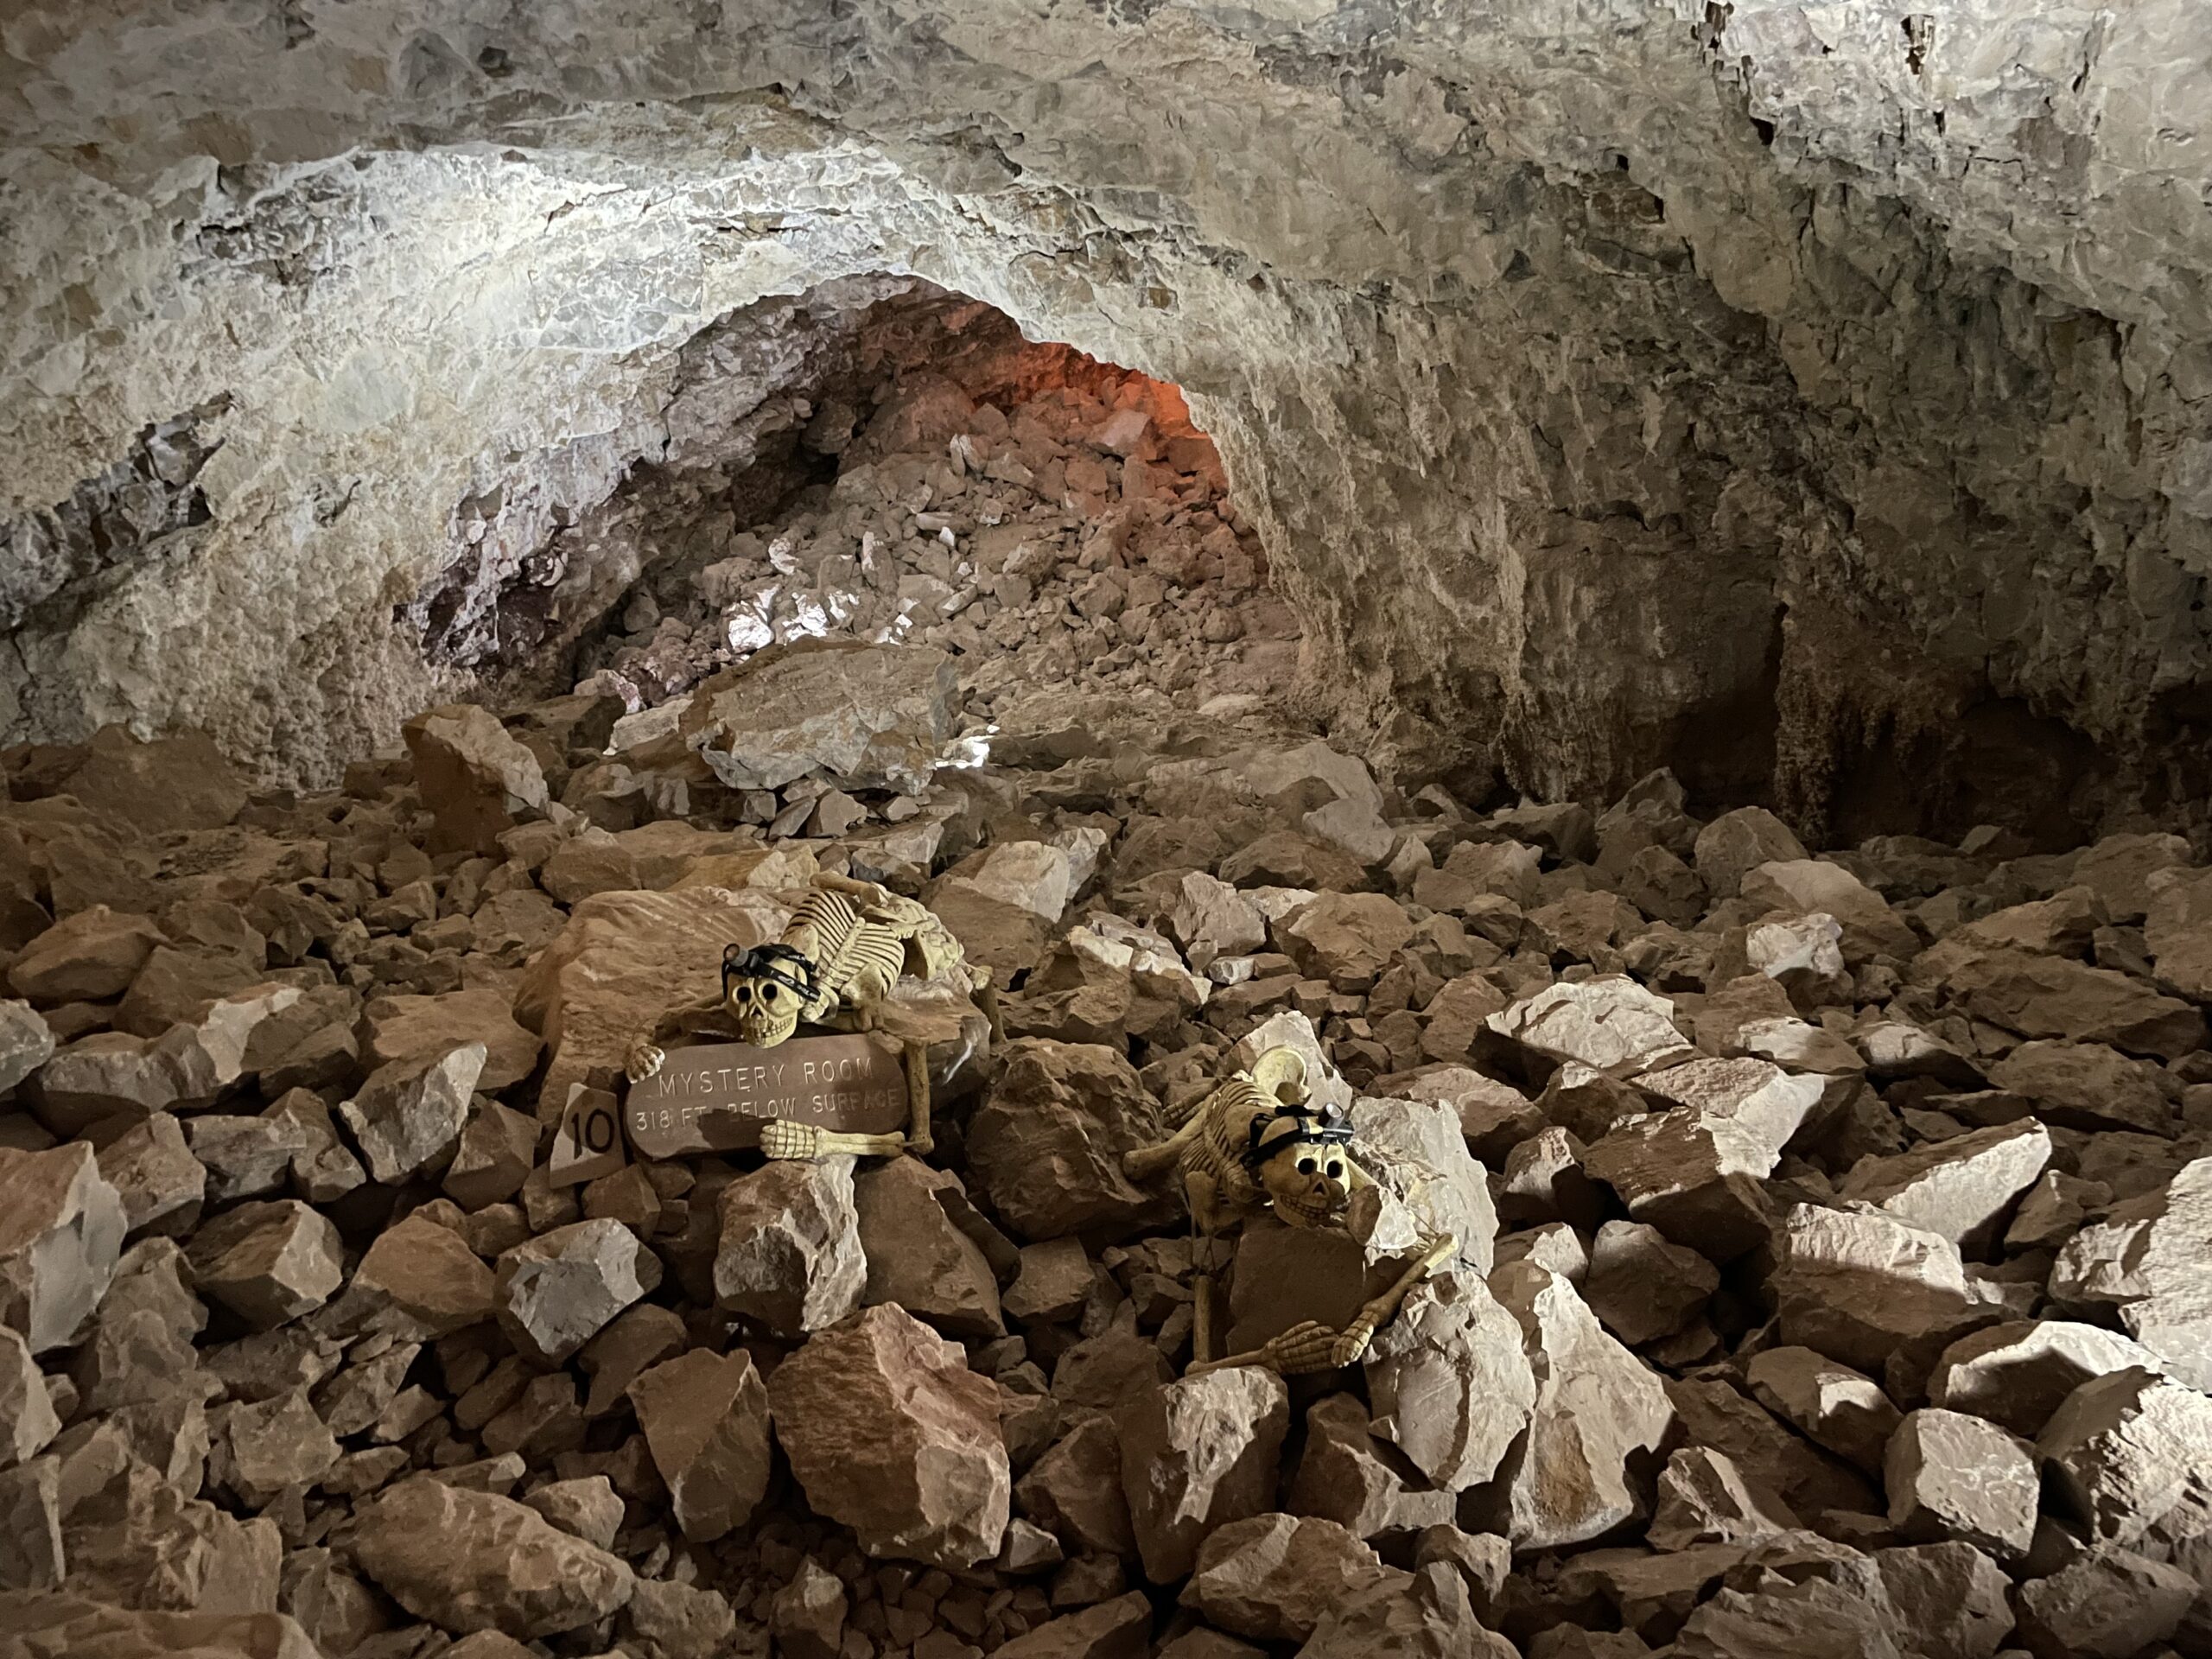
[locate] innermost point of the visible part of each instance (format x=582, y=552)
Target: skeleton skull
x=1306, y=1181
x=764, y=998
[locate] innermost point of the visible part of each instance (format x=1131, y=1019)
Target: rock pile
x=1080, y=536
x=1833, y=1229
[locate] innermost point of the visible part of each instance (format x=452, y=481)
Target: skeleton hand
x=644, y=1060
x=1308, y=1347
x=781, y=1138
x=1351, y=1342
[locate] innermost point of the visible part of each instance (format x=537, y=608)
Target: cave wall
x=1807, y=395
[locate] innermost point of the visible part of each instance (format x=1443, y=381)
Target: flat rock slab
x=713, y=1097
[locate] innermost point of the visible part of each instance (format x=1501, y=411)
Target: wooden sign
x=714, y=1097
x=589, y=1142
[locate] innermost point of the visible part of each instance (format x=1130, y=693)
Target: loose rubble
x=1830, y=1225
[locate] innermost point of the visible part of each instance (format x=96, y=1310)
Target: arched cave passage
x=876, y=458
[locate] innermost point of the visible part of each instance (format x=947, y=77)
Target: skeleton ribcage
x=1219, y=1148
x=860, y=960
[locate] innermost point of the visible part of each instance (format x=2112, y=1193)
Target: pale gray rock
x=1597, y=1408
x=1959, y=1189
x=889, y=1432
x=1951, y=1476
x=25, y=1042
x=1428, y=1617
x=1451, y=1382
x=409, y=1114
x=705, y=1418
x=469, y=1561
x=28, y=1420
x=555, y=1293
x=1810, y=886
x=1610, y=1024
x=2018, y=1373
x=1273, y=1577
x=2128, y=1452
x=2146, y=1259
x=160, y=1183
x=61, y=1228
x=863, y=717
x=1859, y=1287
x=790, y=1254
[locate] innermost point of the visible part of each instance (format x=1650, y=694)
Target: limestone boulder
x=1197, y=1454
x=705, y=1418
x=477, y=779
x=1046, y=1144
x=889, y=1432
x=1704, y=1498
x=790, y=1254
x=1951, y=1475
x=472, y=1561
x=556, y=1292
x=86, y=958
x=162, y=1183
x=406, y=1027
x=917, y=1256
x=1348, y=1475
x=1610, y=1024
x=2129, y=1452
x=1274, y=1577
x=1829, y=1403
x=2146, y=1259
x=1960, y=1188
x=2088, y=1086
x=1643, y=1287
x=2055, y=997
x=2105, y=1604
x=409, y=1115
x=63, y=1226
x=862, y=717
x=1859, y=1288
x=1595, y=1430
x=1736, y=843
x=1451, y=1382
x=1428, y=1616
x=2018, y=1373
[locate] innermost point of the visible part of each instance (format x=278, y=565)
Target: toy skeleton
x=845, y=951
x=1250, y=1147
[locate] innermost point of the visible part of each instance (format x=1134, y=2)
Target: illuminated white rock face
x=1607, y=383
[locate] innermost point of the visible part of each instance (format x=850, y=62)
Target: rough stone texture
x=2105, y=1604
x=1857, y=1287
x=888, y=1432
x=864, y=717
x=1599, y=1414
x=1046, y=1144
x=2130, y=1452
x=557, y=1292
x=790, y=1254
x=1832, y=1405
x=1950, y=1475
x=705, y=1417
x=2147, y=1258
x=411, y=1111
x=2018, y=1373
x=421, y=1279
x=1196, y=1455
x=1347, y=1475
x=1959, y=1189
x=268, y=1263
x=470, y=1560
x=1273, y=1577
x=61, y=1228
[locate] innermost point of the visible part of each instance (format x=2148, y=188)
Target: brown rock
x=1829, y=1402
x=62, y=1229
x=409, y=1027
x=2057, y=997
x=139, y=1539
x=917, y=1256
x=497, y=1149
x=410, y=1114
x=1428, y=1617
x=1859, y=1287
x=1641, y=1287
x=1046, y=1146
x=470, y=1560
x=476, y=778
x=1274, y=1577
x=889, y=1432
x=1736, y=843
x=1074, y=1490
x=33, y=1555
x=1814, y=886
x=421, y=1281
x=86, y=958
x=110, y=1074
x=28, y=1421
x=1120, y=1629
x=1197, y=1454
x=678, y=1621
x=2090, y=1086
x=164, y=787
x=808, y=1615
x=1347, y=1475
x=2105, y=1604
x=555, y=1293
x=1054, y=1281
x=1953, y=1476
x=1704, y=1498
x=791, y=1255
x=705, y=1417
x=268, y=1445
x=160, y=1183
x=268, y=1263
x=1610, y=1024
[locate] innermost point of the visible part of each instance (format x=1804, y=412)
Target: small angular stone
x=409, y=1114
x=86, y=958
x=270, y=1444
x=1641, y=1287
x=1451, y=1382
x=808, y=1615
x=1953, y=1476
x=1346, y=1475
x=1118, y=1629
x=2105, y=1604
x=1958, y=1188
x=1610, y=1024
x=890, y=1433
x=268, y=1263
x=2016, y=1375
x=1054, y=1281
x=790, y=1254
x=918, y=1257
x=705, y=1417
x=1046, y=1146
x=1426, y=1616
x=409, y=1027
x=28, y=1420
x=61, y=1228
x=497, y=1149
x=26, y=1043
x=1736, y=843
x=556, y=1292
x=2128, y=1452
x=421, y=1281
